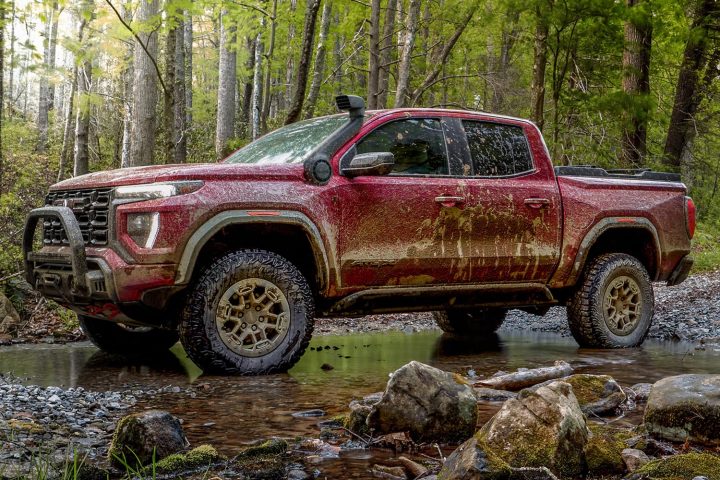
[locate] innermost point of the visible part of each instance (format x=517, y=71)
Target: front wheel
x=121, y=339
x=250, y=313
x=479, y=322
x=613, y=305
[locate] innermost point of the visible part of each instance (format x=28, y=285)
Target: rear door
x=513, y=205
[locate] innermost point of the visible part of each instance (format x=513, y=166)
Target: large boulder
x=9, y=318
x=541, y=428
x=143, y=437
x=685, y=407
x=596, y=394
x=428, y=403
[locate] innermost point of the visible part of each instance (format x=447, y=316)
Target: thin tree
x=636, y=82
x=82, y=117
x=411, y=27
x=44, y=88
x=304, y=65
x=145, y=81
x=537, y=88
x=226, y=86
x=374, y=53
x=319, y=60
x=386, y=54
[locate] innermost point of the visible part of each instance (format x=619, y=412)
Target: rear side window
x=418, y=145
x=497, y=149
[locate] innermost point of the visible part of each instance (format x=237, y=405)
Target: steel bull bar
x=77, y=283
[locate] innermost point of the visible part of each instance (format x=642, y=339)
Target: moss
x=201, y=456
x=268, y=448
x=264, y=461
x=682, y=467
x=115, y=453
x=603, y=452
x=587, y=388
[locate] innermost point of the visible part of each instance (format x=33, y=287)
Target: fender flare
x=207, y=230
x=611, y=223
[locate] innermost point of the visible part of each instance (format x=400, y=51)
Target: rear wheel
x=470, y=322
x=123, y=339
x=613, y=304
x=250, y=312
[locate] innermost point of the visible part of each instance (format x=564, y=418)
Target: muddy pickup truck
x=455, y=212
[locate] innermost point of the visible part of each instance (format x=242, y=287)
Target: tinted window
x=497, y=149
x=417, y=143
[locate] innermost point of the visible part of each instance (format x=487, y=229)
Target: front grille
x=91, y=209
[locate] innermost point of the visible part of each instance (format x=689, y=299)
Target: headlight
x=143, y=228
x=151, y=191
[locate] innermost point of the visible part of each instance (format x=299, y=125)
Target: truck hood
x=201, y=171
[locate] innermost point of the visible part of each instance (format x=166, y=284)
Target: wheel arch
x=635, y=236
x=301, y=242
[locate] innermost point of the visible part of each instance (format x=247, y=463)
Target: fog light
x=143, y=228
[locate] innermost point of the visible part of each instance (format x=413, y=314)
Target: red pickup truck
x=456, y=212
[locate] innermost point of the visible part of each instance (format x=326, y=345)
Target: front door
x=393, y=228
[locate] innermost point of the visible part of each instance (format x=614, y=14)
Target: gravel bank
x=43, y=426
x=690, y=311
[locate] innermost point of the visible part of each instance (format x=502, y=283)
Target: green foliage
x=706, y=247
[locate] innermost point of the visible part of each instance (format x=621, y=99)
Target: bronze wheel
x=253, y=317
x=622, y=305
x=613, y=303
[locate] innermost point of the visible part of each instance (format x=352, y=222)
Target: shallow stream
x=230, y=412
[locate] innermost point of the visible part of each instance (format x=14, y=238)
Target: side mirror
x=375, y=163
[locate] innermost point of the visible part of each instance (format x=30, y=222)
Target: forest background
x=90, y=85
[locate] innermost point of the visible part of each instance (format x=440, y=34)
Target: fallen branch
x=8, y=277
x=415, y=469
x=527, y=378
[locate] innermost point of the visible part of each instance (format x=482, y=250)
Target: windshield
x=290, y=144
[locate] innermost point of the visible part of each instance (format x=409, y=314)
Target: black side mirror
x=374, y=163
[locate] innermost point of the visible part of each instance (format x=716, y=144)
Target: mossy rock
x=474, y=459
x=264, y=461
x=603, y=452
x=141, y=438
x=198, y=457
x=681, y=467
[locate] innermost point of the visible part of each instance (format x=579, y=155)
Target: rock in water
x=685, y=407
x=427, y=402
x=597, y=394
x=140, y=435
x=470, y=461
x=541, y=428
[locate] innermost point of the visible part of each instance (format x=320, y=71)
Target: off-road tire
x=474, y=323
x=121, y=340
x=199, y=333
x=585, y=309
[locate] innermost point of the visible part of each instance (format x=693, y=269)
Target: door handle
x=449, y=201
x=537, y=202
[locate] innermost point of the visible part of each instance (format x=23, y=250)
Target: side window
x=418, y=145
x=497, y=149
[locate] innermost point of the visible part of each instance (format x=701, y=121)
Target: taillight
x=690, y=221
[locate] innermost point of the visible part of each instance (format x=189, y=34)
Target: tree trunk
x=145, y=94
x=179, y=130
x=539, y=63
x=319, y=60
x=257, y=88
x=68, y=130
x=169, y=98
x=386, y=54
x=2, y=92
x=304, y=65
x=507, y=41
x=82, y=121
x=267, y=92
x=411, y=26
x=374, y=52
x=247, y=98
x=127, y=83
x=11, y=65
x=188, y=42
x=226, y=87
x=636, y=83
x=687, y=97
x=44, y=90
x=52, y=52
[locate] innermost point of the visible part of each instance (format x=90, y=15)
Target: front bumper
x=681, y=271
x=100, y=285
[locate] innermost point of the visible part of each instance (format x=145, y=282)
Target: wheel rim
x=253, y=317
x=622, y=305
